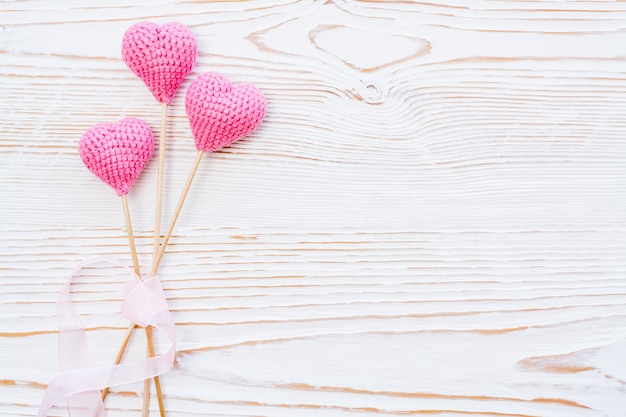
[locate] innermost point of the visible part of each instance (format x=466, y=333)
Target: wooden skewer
x=157, y=381
x=179, y=206
x=131, y=236
x=150, y=342
x=155, y=267
x=120, y=354
x=157, y=242
x=159, y=193
x=145, y=406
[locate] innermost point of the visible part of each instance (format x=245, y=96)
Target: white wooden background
x=431, y=220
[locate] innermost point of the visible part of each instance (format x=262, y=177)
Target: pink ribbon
x=80, y=382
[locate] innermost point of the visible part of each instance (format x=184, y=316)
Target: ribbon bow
x=80, y=382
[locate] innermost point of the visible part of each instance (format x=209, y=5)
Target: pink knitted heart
x=117, y=152
x=220, y=113
x=161, y=56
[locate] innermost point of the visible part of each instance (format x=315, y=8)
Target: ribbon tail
x=80, y=383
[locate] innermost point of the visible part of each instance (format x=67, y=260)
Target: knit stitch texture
x=220, y=112
x=161, y=56
x=117, y=152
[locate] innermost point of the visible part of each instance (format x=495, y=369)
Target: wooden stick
x=120, y=353
x=155, y=266
x=157, y=381
x=150, y=342
x=157, y=242
x=159, y=193
x=145, y=406
x=131, y=236
x=181, y=201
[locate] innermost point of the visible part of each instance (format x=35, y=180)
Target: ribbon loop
x=80, y=382
x=144, y=301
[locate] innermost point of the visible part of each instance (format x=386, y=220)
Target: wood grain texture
x=431, y=220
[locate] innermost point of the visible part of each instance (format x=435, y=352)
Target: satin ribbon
x=80, y=382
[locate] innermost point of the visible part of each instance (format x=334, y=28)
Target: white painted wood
x=431, y=220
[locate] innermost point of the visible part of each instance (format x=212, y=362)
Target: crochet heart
x=161, y=56
x=220, y=112
x=117, y=152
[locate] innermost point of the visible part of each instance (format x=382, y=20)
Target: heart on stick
x=161, y=56
x=220, y=112
x=117, y=152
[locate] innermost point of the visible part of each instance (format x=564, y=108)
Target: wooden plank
x=430, y=220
